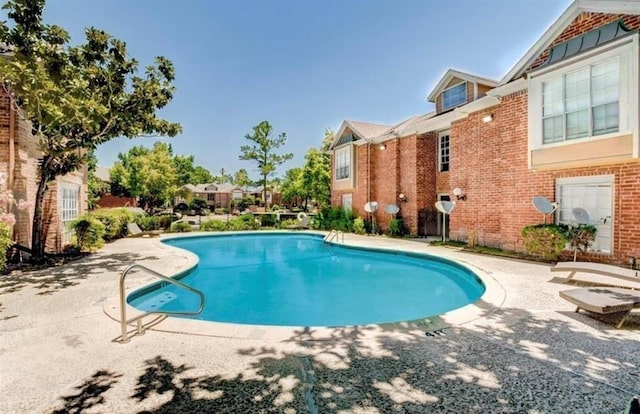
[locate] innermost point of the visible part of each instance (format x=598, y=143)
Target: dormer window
x=454, y=96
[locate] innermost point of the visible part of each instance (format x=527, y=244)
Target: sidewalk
x=531, y=354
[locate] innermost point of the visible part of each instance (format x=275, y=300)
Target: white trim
x=452, y=73
x=587, y=179
x=447, y=133
x=561, y=23
x=342, y=149
x=509, y=88
x=627, y=51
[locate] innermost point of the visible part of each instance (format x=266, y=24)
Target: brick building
x=562, y=123
x=19, y=154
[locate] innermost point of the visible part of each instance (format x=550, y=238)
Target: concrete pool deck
x=520, y=350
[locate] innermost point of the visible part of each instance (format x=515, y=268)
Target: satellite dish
x=581, y=215
x=543, y=205
x=371, y=206
x=445, y=206
x=391, y=208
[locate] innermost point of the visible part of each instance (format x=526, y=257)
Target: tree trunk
x=264, y=192
x=37, y=232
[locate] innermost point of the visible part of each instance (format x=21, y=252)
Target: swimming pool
x=299, y=280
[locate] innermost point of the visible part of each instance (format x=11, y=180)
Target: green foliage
x=5, y=243
x=237, y=224
x=148, y=174
x=359, y=226
x=316, y=176
x=189, y=173
x=89, y=233
x=292, y=189
x=214, y=225
x=262, y=151
x=180, y=227
x=115, y=221
x=148, y=223
x=77, y=95
x=546, y=240
x=198, y=204
x=289, y=223
x=397, y=227
x=96, y=187
x=581, y=236
x=268, y=220
x=335, y=218
x=241, y=178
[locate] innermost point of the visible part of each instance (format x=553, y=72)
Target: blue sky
x=304, y=65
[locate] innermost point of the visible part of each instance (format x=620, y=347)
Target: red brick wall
x=21, y=176
x=111, y=201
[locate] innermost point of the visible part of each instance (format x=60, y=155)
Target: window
x=211, y=196
x=347, y=202
x=236, y=195
x=581, y=103
x=443, y=151
x=454, y=95
x=343, y=163
x=595, y=195
x=590, y=95
x=69, y=195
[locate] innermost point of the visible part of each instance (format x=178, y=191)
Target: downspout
x=12, y=150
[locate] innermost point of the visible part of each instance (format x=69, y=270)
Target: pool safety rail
x=336, y=235
x=138, y=319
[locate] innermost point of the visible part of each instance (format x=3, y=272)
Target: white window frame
x=590, y=180
x=339, y=155
x=442, y=134
x=69, y=209
x=626, y=50
x=466, y=96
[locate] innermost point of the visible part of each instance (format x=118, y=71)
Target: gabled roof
x=452, y=73
x=364, y=130
x=565, y=19
x=211, y=188
x=103, y=174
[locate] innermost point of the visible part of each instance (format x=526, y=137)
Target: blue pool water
x=298, y=280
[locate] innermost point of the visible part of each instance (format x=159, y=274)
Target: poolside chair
x=135, y=231
x=303, y=222
x=604, y=299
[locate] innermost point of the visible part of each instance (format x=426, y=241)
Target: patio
x=531, y=353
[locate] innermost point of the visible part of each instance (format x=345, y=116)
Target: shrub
x=289, y=223
x=241, y=225
x=5, y=243
x=115, y=221
x=198, y=204
x=268, y=220
x=581, y=236
x=546, y=240
x=89, y=232
x=359, y=226
x=180, y=227
x=214, y=225
x=397, y=228
x=335, y=218
x=148, y=223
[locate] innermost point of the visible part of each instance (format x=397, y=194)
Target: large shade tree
x=148, y=174
x=77, y=97
x=263, y=151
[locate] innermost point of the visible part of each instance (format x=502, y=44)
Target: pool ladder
x=138, y=319
x=336, y=235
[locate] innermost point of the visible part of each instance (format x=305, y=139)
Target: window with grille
x=443, y=151
x=454, y=96
x=69, y=205
x=343, y=163
x=581, y=103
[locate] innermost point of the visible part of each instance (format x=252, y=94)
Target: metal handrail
x=334, y=234
x=123, y=308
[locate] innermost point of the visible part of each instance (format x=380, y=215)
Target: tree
x=241, y=178
x=148, y=174
x=223, y=178
x=96, y=187
x=189, y=173
x=263, y=151
x=77, y=97
x=316, y=177
x=292, y=189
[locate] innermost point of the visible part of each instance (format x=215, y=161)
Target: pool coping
x=492, y=299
